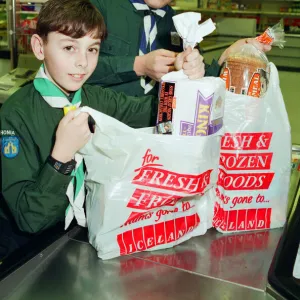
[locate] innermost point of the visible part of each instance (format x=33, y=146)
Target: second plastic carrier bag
x=255, y=159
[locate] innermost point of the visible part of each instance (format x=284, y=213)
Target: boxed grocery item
x=213, y=4
x=190, y=107
x=225, y=4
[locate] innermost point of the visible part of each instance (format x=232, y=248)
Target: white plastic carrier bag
x=255, y=159
x=135, y=184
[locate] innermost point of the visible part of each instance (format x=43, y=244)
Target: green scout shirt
x=35, y=193
x=117, y=53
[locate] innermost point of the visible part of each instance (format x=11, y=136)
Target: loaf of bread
x=246, y=72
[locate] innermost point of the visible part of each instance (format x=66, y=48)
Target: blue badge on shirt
x=10, y=146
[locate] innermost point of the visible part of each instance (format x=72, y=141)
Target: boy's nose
x=81, y=60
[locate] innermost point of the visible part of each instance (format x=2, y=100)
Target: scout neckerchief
x=148, y=39
x=56, y=98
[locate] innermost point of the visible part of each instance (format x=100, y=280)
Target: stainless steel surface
x=213, y=266
x=274, y=294
x=238, y=258
x=33, y=266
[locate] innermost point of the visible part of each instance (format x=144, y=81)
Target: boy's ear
x=37, y=45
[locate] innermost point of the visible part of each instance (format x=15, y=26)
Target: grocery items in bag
x=246, y=71
x=146, y=191
x=254, y=171
x=190, y=107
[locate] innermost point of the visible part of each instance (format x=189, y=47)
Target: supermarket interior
x=234, y=20
x=213, y=266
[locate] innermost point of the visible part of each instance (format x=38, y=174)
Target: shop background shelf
x=242, y=12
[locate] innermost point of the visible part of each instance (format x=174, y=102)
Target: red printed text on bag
x=246, y=141
x=147, y=237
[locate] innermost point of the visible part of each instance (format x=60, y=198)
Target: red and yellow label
x=226, y=77
x=254, y=86
x=266, y=38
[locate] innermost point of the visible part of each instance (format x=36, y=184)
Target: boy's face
x=70, y=62
x=157, y=3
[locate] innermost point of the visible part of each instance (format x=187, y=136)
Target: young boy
x=39, y=143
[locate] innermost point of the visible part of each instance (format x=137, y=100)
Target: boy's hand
x=235, y=47
x=155, y=64
x=71, y=135
x=191, y=62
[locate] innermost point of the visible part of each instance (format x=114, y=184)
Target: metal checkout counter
x=213, y=266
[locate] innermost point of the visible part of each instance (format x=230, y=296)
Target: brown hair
x=74, y=18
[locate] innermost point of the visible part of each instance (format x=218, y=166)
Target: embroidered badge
x=175, y=39
x=10, y=146
x=7, y=132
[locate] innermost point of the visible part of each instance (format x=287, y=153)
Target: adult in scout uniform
x=42, y=174
x=141, y=46
x=130, y=61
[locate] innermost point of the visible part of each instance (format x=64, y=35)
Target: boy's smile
x=69, y=62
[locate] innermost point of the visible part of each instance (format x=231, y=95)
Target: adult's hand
x=155, y=64
x=191, y=62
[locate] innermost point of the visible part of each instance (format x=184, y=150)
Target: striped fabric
x=148, y=38
x=56, y=98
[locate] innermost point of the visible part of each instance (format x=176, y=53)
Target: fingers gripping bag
x=146, y=191
x=254, y=170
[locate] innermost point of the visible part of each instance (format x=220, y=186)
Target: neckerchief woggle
x=56, y=98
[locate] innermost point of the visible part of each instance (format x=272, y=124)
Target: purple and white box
x=199, y=106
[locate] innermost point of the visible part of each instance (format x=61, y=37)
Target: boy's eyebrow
x=75, y=41
x=97, y=43
x=68, y=40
